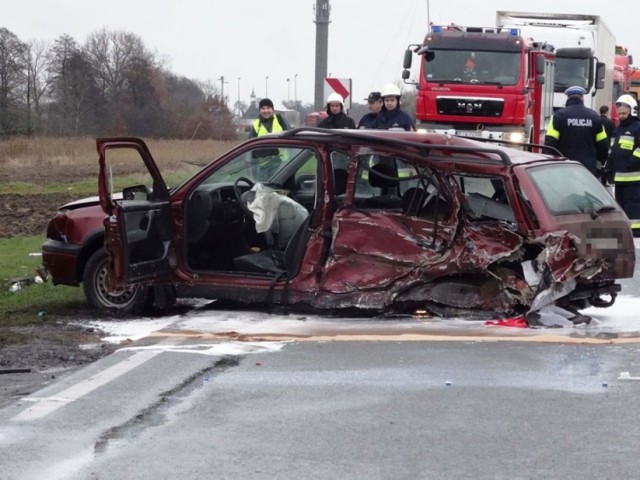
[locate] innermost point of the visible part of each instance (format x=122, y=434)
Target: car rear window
x=569, y=189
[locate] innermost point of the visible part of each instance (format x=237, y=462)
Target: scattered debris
x=18, y=283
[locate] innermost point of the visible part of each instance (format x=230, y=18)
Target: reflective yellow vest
x=258, y=126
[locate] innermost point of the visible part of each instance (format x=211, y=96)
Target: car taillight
x=57, y=228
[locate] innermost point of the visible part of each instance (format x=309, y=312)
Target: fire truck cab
x=483, y=82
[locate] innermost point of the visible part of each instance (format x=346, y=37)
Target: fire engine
x=634, y=88
x=483, y=82
x=621, y=77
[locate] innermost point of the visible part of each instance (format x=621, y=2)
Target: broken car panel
x=384, y=222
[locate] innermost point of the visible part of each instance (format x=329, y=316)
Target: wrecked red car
x=382, y=222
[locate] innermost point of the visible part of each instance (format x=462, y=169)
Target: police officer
x=268, y=121
x=577, y=132
x=336, y=118
x=374, y=103
x=624, y=160
x=392, y=117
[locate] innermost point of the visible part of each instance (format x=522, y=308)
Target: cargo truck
x=585, y=51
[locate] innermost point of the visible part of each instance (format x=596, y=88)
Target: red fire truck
x=621, y=77
x=483, y=82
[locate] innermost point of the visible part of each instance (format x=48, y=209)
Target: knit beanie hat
x=265, y=102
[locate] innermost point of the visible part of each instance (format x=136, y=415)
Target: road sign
x=341, y=86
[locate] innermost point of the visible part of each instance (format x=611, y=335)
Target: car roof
x=471, y=149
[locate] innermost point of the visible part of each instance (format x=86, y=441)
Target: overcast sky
x=253, y=39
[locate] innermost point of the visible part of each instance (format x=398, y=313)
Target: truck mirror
x=540, y=79
x=600, y=71
x=408, y=55
x=406, y=74
x=540, y=64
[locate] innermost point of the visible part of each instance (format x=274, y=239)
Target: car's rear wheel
x=96, y=287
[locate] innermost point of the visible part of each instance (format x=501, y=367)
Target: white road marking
x=226, y=348
x=45, y=406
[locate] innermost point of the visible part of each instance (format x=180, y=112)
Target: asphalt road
x=234, y=394
x=178, y=405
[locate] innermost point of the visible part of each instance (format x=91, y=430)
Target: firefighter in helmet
x=392, y=117
x=336, y=116
x=624, y=160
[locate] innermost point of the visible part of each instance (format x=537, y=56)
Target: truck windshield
x=571, y=72
x=466, y=66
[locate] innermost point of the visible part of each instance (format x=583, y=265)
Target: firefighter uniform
x=577, y=132
x=624, y=162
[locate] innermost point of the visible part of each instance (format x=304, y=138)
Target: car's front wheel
x=95, y=281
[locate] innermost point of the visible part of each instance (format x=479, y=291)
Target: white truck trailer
x=585, y=51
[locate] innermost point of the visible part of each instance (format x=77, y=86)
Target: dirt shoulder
x=33, y=356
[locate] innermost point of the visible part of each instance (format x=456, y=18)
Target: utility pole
x=322, y=20
x=238, y=105
x=222, y=82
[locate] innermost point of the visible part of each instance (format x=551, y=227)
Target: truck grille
x=476, y=107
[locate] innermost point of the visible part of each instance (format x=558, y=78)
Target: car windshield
x=569, y=188
x=467, y=66
x=260, y=164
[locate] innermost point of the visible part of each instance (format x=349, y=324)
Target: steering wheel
x=238, y=194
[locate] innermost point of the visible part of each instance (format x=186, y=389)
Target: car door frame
x=155, y=211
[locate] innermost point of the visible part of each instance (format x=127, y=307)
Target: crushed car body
x=381, y=222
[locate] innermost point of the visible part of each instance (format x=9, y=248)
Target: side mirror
x=408, y=58
x=406, y=74
x=540, y=64
x=600, y=71
x=137, y=192
x=540, y=79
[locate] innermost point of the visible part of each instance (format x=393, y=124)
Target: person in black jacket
x=607, y=123
x=336, y=116
x=577, y=132
x=374, y=103
x=624, y=160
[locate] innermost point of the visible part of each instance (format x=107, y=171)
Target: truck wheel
x=98, y=294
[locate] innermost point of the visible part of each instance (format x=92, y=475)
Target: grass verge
x=19, y=257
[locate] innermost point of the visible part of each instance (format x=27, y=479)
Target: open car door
x=138, y=234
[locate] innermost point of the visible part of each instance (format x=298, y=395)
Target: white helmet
x=628, y=100
x=335, y=97
x=390, y=90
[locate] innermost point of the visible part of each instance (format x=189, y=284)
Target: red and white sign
x=341, y=86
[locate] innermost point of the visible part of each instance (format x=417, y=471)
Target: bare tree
x=75, y=103
x=125, y=70
x=38, y=81
x=12, y=68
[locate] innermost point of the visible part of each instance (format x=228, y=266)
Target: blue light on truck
x=436, y=28
x=514, y=31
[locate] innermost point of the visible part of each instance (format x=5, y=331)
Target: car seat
x=379, y=177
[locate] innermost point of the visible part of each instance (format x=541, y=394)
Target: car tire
x=98, y=294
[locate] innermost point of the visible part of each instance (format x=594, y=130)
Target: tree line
x=110, y=85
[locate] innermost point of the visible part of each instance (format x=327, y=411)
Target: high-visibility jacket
x=624, y=159
x=270, y=125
